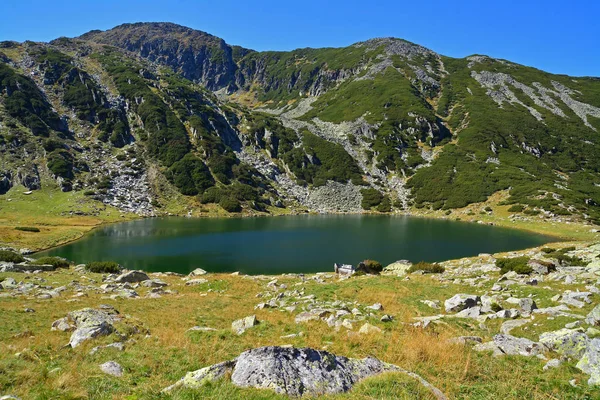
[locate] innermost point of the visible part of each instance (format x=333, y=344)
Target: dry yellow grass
x=157, y=361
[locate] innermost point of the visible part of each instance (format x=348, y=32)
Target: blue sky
x=553, y=35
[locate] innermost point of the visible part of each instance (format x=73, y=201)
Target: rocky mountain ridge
x=146, y=112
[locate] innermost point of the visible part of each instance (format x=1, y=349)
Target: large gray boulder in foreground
x=295, y=372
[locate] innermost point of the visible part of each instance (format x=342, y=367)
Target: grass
x=60, y=217
x=43, y=368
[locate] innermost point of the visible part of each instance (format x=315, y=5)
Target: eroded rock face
x=295, y=372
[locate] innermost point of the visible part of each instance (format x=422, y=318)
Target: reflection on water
x=307, y=243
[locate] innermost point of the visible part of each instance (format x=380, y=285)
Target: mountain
x=146, y=113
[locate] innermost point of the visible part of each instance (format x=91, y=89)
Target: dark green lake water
x=274, y=245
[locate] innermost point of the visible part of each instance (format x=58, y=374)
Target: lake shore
x=58, y=227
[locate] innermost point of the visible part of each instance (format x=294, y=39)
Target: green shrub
x=230, y=205
x=101, y=267
x=56, y=262
x=11, y=256
x=427, y=268
x=563, y=258
x=211, y=195
x=371, y=266
x=370, y=198
x=27, y=228
x=517, y=264
x=516, y=208
x=385, y=205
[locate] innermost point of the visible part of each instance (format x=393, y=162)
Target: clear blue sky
x=553, y=35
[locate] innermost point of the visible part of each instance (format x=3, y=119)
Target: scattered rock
x=593, y=318
x=241, y=325
x=63, y=325
x=132, y=277
x=590, y=362
x=508, y=326
x=435, y=304
x=368, y=329
x=194, y=282
x=464, y=340
x=198, y=272
x=566, y=342
x=507, y=344
x=553, y=363
x=376, y=307
x=201, y=329
x=459, y=302
x=398, y=268
x=90, y=323
x=118, y=346
x=154, y=283
x=112, y=368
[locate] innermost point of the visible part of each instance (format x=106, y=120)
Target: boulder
x=526, y=305
x=459, y=302
x=9, y=283
x=132, y=277
x=553, y=363
x=241, y=325
x=398, y=268
x=510, y=314
x=197, y=379
x=567, y=342
x=465, y=340
x=63, y=324
x=90, y=323
x=296, y=372
x=435, y=304
x=154, y=283
x=506, y=344
x=509, y=325
x=489, y=304
x=590, y=362
x=368, y=329
x=472, y=312
x=194, y=282
x=112, y=368
x=376, y=307
x=198, y=272
x=593, y=318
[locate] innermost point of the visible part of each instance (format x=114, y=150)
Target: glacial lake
x=274, y=245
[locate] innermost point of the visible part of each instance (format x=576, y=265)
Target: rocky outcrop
x=296, y=372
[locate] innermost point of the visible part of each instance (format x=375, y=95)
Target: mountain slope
x=380, y=124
